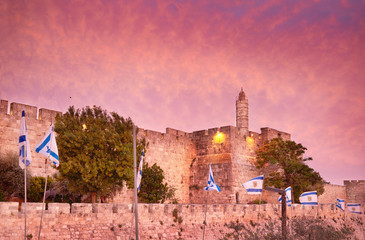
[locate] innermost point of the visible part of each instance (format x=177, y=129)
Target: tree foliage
x=153, y=188
x=12, y=176
x=96, y=150
x=36, y=189
x=284, y=159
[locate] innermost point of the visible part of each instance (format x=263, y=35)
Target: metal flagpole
x=135, y=180
x=291, y=213
x=45, y=184
x=25, y=198
x=258, y=217
x=130, y=232
x=205, y=218
x=44, y=195
x=344, y=212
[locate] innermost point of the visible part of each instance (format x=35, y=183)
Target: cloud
x=181, y=64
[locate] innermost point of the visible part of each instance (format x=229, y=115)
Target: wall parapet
x=218, y=210
x=157, y=221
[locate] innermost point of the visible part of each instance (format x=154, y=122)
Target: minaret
x=242, y=113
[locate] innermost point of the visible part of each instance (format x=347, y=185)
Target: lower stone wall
x=156, y=221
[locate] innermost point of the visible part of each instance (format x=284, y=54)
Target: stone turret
x=242, y=113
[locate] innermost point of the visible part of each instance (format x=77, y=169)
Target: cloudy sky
x=182, y=63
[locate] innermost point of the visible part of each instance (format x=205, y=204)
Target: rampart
x=156, y=221
x=355, y=191
x=184, y=158
x=173, y=151
x=38, y=122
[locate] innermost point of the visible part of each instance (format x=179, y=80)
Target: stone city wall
x=156, y=221
x=331, y=193
x=355, y=191
x=173, y=151
x=38, y=123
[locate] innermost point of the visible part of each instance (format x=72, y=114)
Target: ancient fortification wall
x=184, y=157
x=331, y=193
x=38, y=123
x=355, y=191
x=173, y=151
x=156, y=221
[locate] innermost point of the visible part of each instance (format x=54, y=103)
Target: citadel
x=185, y=159
x=183, y=156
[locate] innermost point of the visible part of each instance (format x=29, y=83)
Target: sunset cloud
x=181, y=64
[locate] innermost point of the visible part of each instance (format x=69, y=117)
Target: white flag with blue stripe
x=25, y=155
x=340, y=203
x=254, y=186
x=309, y=198
x=288, y=196
x=48, y=147
x=139, y=175
x=211, y=184
x=354, y=208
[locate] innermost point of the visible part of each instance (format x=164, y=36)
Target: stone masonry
x=156, y=221
x=184, y=156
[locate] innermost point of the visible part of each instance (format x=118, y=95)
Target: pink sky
x=181, y=64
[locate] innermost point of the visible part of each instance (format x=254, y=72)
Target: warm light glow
x=249, y=141
x=219, y=138
x=84, y=126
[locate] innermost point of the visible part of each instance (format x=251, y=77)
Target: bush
x=12, y=176
x=62, y=193
x=2, y=196
x=153, y=190
x=36, y=191
x=301, y=228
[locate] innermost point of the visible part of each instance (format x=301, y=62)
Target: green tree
x=153, y=189
x=96, y=151
x=36, y=190
x=284, y=160
x=12, y=176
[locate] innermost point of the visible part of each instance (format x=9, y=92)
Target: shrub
x=2, y=196
x=36, y=191
x=12, y=176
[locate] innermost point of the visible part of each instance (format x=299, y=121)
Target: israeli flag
x=354, y=208
x=340, y=203
x=25, y=155
x=48, y=147
x=309, y=198
x=288, y=196
x=211, y=184
x=254, y=186
x=139, y=176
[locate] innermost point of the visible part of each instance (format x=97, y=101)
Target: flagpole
x=44, y=195
x=135, y=180
x=205, y=218
x=344, y=212
x=291, y=212
x=258, y=217
x=130, y=232
x=25, y=198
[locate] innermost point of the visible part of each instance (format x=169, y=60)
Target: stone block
x=83, y=208
x=59, y=208
x=8, y=208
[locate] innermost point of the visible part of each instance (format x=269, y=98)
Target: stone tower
x=242, y=113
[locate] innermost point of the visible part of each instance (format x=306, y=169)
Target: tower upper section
x=242, y=113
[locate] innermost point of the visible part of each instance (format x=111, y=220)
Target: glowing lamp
x=219, y=138
x=249, y=140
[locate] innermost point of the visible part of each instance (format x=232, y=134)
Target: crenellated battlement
x=156, y=221
x=38, y=122
x=183, y=156
x=31, y=112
